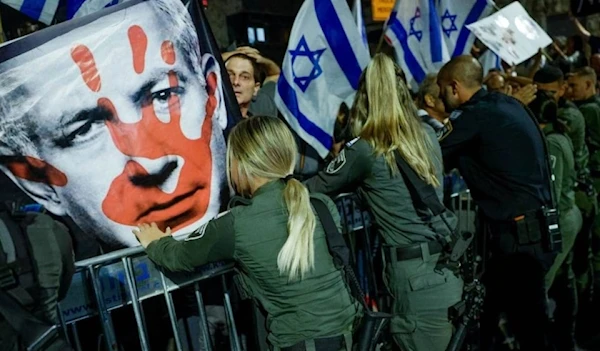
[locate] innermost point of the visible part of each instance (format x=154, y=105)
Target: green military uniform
x=560, y=279
x=422, y=294
x=570, y=114
x=590, y=109
x=562, y=161
x=318, y=306
x=585, y=196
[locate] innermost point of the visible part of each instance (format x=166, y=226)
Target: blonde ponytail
x=264, y=147
x=297, y=256
x=385, y=116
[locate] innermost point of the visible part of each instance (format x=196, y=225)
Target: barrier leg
x=63, y=325
x=233, y=335
x=137, y=307
x=105, y=317
x=75, y=333
x=203, y=321
x=172, y=314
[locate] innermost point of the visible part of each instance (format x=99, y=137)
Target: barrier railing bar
x=63, y=325
x=468, y=210
x=202, y=320
x=76, y=336
x=105, y=317
x=233, y=335
x=135, y=302
x=172, y=313
x=117, y=255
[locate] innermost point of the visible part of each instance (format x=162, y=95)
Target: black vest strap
x=335, y=241
x=425, y=192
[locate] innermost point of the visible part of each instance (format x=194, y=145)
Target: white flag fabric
x=39, y=10
x=455, y=16
x=321, y=69
x=360, y=23
x=489, y=60
x=415, y=32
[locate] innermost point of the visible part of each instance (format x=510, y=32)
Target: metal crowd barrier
x=112, y=281
x=127, y=277
x=365, y=243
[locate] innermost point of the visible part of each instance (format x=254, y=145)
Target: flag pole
x=2, y=36
x=380, y=43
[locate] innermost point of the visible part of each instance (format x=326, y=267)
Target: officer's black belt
x=411, y=252
x=322, y=344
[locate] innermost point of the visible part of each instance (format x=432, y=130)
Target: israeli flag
x=489, y=60
x=79, y=8
x=358, y=18
x=414, y=30
x=454, y=18
x=39, y=10
x=321, y=69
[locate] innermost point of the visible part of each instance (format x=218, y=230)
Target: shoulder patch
x=444, y=132
x=337, y=163
x=455, y=114
x=199, y=233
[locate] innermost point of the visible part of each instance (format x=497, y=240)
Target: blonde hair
x=264, y=147
x=385, y=116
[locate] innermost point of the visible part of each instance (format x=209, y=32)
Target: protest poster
x=511, y=34
x=119, y=118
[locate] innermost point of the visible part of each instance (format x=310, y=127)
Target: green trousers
x=422, y=296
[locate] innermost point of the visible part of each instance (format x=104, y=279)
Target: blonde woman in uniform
x=385, y=121
x=277, y=241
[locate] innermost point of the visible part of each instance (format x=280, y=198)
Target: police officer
x=560, y=278
x=385, y=120
x=277, y=240
x=500, y=152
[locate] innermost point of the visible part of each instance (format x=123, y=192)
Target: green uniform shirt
x=570, y=114
x=399, y=221
x=320, y=305
x=560, y=151
x=590, y=109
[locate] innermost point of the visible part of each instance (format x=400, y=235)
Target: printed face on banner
x=118, y=122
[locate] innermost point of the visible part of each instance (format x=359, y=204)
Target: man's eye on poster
x=117, y=119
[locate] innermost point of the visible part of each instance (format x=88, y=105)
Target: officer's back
x=499, y=151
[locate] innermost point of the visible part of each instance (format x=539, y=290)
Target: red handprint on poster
x=125, y=133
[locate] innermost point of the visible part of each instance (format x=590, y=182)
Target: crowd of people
x=527, y=146
x=526, y=140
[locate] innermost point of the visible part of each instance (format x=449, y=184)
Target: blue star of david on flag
x=449, y=23
x=302, y=50
x=416, y=33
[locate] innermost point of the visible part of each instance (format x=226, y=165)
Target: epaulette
x=352, y=142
